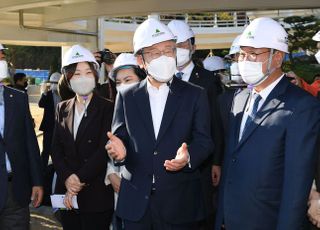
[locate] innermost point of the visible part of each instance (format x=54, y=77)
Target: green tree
x=300, y=31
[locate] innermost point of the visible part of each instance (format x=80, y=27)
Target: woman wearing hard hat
x=78, y=152
x=161, y=132
x=273, y=139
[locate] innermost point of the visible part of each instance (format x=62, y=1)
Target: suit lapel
x=172, y=105
x=194, y=77
x=142, y=101
x=268, y=107
x=92, y=110
x=69, y=110
x=9, y=112
x=238, y=106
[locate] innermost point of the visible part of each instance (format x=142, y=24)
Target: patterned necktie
x=179, y=75
x=253, y=112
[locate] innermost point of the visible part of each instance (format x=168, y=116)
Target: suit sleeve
x=32, y=147
x=43, y=100
x=301, y=147
x=58, y=156
x=201, y=144
x=99, y=159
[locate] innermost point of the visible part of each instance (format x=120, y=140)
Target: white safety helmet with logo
x=265, y=33
x=76, y=54
x=124, y=59
x=261, y=33
x=150, y=32
x=214, y=63
x=181, y=30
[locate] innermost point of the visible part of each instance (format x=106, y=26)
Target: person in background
x=48, y=101
x=126, y=73
x=211, y=168
x=218, y=66
x=273, y=141
x=78, y=153
x=20, y=164
x=20, y=81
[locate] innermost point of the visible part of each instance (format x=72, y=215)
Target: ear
x=140, y=62
x=278, y=57
x=193, y=48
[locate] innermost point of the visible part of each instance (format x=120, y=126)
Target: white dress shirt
x=157, y=100
x=264, y=94
x=8, y=165
x=77, y=119
x=186, y=71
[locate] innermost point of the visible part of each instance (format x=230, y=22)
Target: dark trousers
x=12, y=216
x=46, y=147
x=77, y=220
x=153, y=221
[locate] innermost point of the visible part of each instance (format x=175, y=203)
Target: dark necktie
x=179, y=75
x=253, y=112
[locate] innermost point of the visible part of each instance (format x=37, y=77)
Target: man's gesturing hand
x=115, y=148
x=182, y=159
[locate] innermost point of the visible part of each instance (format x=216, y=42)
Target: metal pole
x=100, y=42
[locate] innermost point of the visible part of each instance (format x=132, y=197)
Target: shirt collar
x=188, y=69
x=266, y=91
x=162, y=86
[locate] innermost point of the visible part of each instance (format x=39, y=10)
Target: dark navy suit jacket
x=20, y=143
x=186, y=118
x=267, y=175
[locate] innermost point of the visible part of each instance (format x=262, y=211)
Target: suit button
x=146, y=197
x=234, y=159
x=155, y=153
x=89, y=141
x=85, y=160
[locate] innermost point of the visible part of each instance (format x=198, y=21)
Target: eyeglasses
x=154, y=54
x=250, y=55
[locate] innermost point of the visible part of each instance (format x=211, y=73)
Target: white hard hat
x=77, y=54
x=181, y=30
x=316, y=37
x=235, y=48
x=55, y=77
x=150, y=32
x=265, y=33
x=124, y=59
x=213, y=63
x=2, y=47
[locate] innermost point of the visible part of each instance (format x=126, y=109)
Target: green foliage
x=33, y=57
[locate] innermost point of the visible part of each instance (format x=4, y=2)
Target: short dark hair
x=193, y=41
x=18, y=76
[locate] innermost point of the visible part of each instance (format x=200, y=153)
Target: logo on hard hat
x=157, y=33
x=77, y=55
x=249, y=35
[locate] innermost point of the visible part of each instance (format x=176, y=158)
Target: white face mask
x=251, y=72
x=317, y=55
x=235, y=73
x=122, y=87
x=82, y=85
x=162, y=68
x=3, y=70
x=183, y=56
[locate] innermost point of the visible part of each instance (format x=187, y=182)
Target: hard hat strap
x=269, y=71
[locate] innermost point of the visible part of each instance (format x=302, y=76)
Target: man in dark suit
x=161, y=130
x=273, y=139
x=188, y=71
x=48, y=101
x=20, y=164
